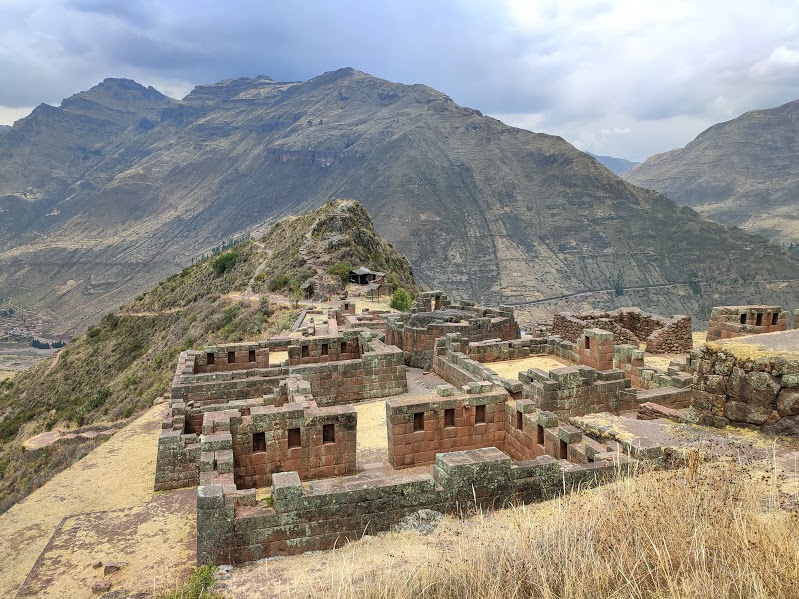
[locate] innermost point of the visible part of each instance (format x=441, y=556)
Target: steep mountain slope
x=744, y=172
x=483, y=210
x=616, y=165
x=125, y=361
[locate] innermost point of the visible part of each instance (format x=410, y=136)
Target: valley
x=487, y=211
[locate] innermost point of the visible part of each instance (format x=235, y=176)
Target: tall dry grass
x=708, y=530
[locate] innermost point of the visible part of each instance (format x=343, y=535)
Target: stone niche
x=728, y=322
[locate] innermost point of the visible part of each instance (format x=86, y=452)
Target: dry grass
x=710, y=531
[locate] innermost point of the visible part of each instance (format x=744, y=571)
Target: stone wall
x=232, y=527
x=630, y=326
x=380, y=372
x=595, y=349
x=727, y=322
x=759, y=390
x=293, y=439
x=233, y=356
x=418, y=342
x=630, y=359
x=318, y=350
x=177, y=460
x=418, y=427
x=574, y=390
x=497, y=350
x=531, y=433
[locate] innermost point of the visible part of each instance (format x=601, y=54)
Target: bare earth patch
x=117, y=476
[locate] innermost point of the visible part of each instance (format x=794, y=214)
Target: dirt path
x=118, y=475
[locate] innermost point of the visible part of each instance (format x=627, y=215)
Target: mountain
x=744, y=172
x=483, y=210
x=123, y=363
x=4, y=128
x=616, y=165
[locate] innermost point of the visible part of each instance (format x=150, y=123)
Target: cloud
x=584, y=69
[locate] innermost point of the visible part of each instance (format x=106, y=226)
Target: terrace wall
x=233, y=528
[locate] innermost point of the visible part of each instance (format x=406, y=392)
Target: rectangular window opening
x=231, y=357
x=210, y=359
x=343, y=347
x=743, y=318
x=759, y=320
x=479, y=414
x=418, y=421
x=258, y=442
x=295, y=440
x=564, y=450
x=449, y=417
x=324, y=349
x=304, y=351
x=539, y=434
x=519, y=420
x=328, y=433
x=251, y=355
x=774, y=318
x=587, y=342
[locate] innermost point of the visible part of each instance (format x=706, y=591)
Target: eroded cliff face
x=483, y=210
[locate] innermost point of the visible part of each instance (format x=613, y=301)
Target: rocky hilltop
x=138, y=185
x=744, y=172
x=124, y=362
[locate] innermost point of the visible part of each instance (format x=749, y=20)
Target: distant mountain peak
x=742, y=172
x=616, y=165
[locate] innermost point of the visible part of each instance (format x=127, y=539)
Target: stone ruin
x=434, y=316
x=631, y=326
x=749, y=381
x=272, y=447
x=727, y=322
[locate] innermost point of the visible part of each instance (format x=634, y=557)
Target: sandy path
x=118, y=474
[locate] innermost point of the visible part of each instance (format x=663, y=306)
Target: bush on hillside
x=341, y=270
x=225, y=262
x=401, y=300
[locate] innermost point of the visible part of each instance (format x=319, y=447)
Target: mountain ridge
x=740, y=172
x=486, y=211
x=616, y=165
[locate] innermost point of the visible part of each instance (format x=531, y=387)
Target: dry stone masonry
x=238, y=424
x=727, y=322
x=631, y=326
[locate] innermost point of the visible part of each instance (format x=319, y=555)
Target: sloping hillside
x=744, y=172
x=486, y=211
x=123, y=363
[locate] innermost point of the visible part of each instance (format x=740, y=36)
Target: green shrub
x=341, y=270
x=401, y=300
x=225, y=262
x=279, y=282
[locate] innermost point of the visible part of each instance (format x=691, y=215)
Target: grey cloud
x=576, y=68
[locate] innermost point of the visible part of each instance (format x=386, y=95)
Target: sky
x=624, y=78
